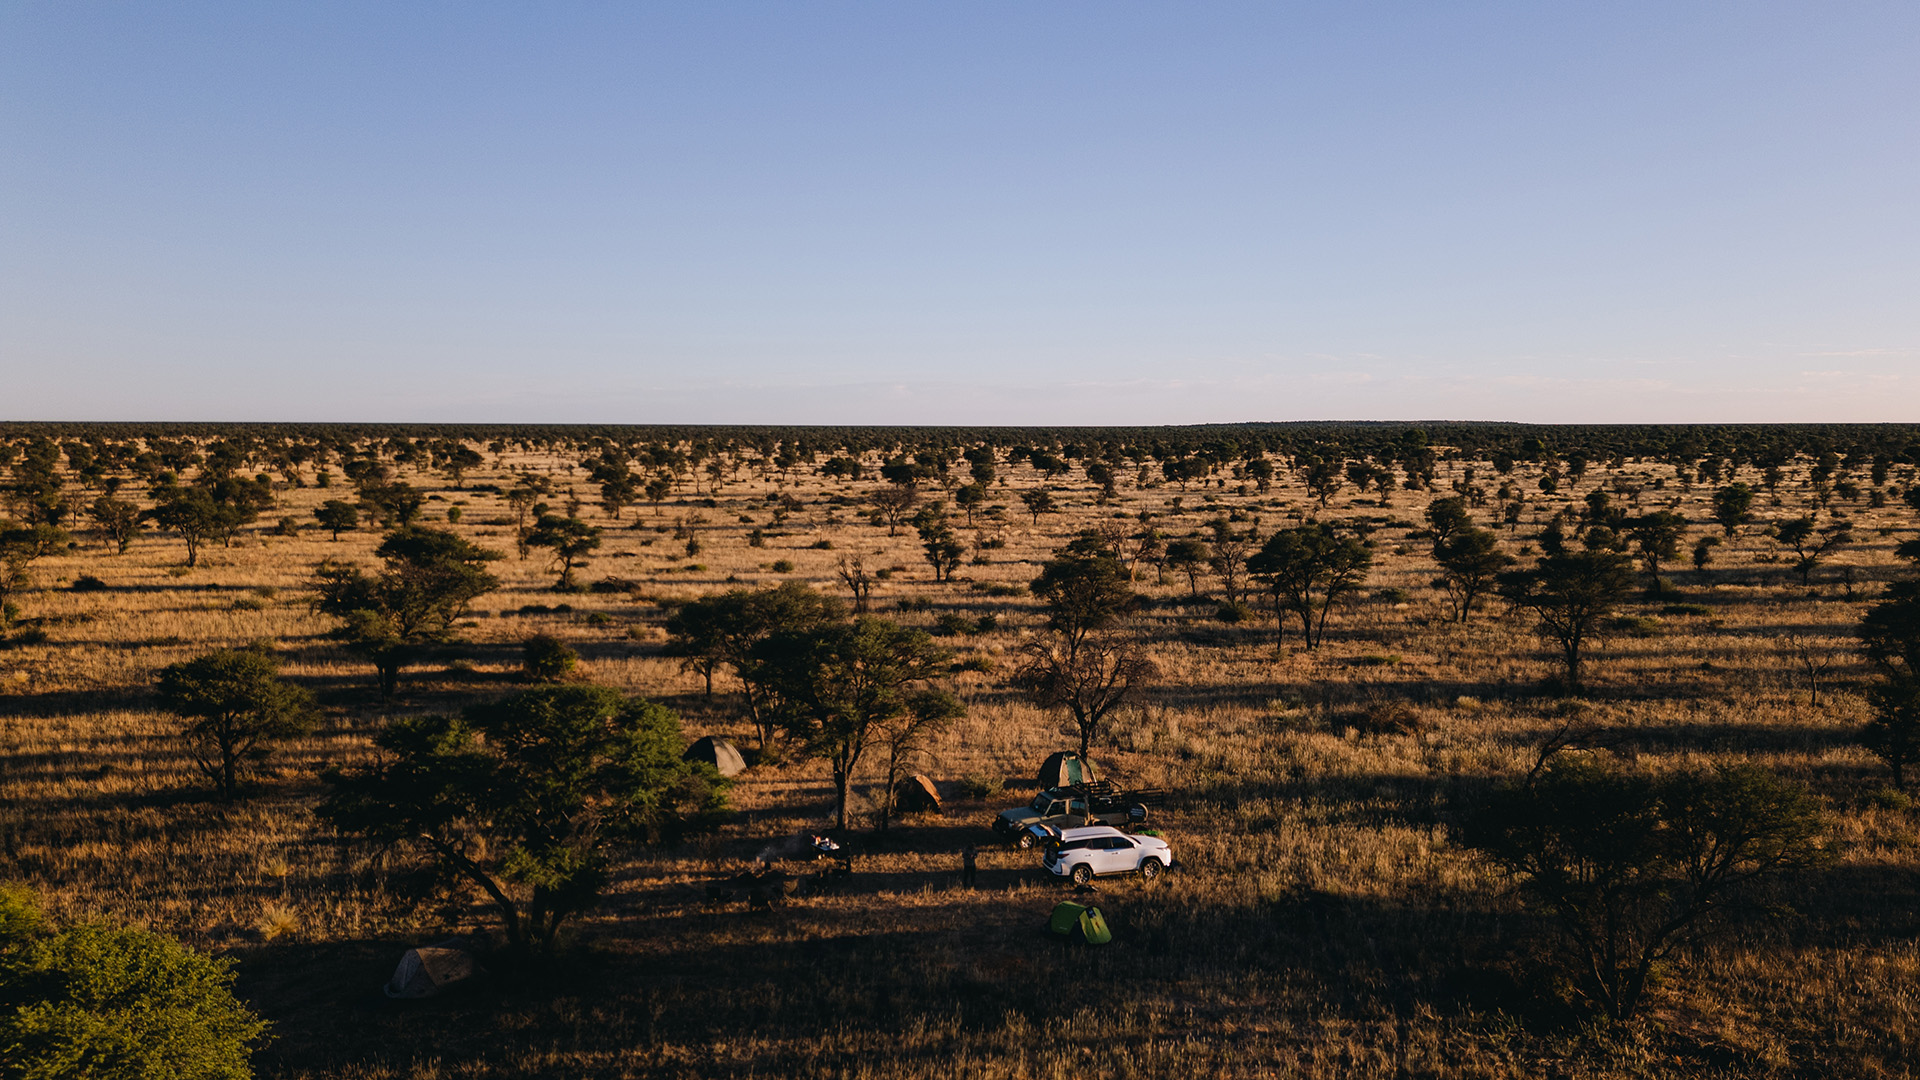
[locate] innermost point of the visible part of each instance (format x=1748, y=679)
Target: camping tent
x=916, y=795
x=428, y=970
x=719, y=753
x=1078, y=922
x=1063, y=769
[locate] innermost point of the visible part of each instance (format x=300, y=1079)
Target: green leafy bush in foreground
x=113, y=1003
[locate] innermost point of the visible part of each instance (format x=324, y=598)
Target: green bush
x=112, y=1003
x=546, y=658
x=978, y=786
x=783, y=566
x=1639, y=626
x=1233, y=612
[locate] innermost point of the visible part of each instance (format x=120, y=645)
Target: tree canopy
x=525, y=797
x=428, y=579
x=238, y=706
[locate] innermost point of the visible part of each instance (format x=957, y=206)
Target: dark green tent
x=1079, y=922
x=1065, y=769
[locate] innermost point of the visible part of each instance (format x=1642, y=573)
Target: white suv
x=1084, y=853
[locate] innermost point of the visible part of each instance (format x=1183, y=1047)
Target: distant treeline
x=1740, y=443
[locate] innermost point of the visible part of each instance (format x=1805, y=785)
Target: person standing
x=969, y=864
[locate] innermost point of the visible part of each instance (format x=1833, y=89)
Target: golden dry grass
x=1324, y=924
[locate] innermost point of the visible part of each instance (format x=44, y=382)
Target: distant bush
x=783, y=566
x=998, y=589
x=88, y=583
x=1686, y=609
x=1639, y=626
x=1383, y=718
x=822, y=545
x=1233, y=612
x=546, y=658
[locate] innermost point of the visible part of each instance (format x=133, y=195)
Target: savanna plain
x=1327, y=917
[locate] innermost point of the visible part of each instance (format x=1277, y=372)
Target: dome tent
x=916, y=795
x=1080, y=923
x=1064, y=769
x=717, y=752
x=431, y=969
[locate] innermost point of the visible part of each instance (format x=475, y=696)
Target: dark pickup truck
x=1097, y=802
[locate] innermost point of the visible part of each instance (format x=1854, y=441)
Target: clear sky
x=1033, y=212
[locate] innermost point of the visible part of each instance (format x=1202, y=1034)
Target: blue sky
x=960, y=213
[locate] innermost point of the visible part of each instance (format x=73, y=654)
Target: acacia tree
x=21, y=546
x=1571, y=595
x=238, y=707
x=199, y=516
x=1658, y=536
x=527, y=797
x=118, y=520
x=1189, y=557
x=943, y=551
x=722, y=630
x=1231, y=550
x=337, y=516
x=837, y=688
x=1733, y=507
x=1089, y=669
x=1090, y=681
x=1890, y=639
x=853, y=574
x=1308, y=569
x=1038, y=501
x=903, y=737
x=429, y=578
x=570, y=538
x=1471, y=560
x=1811, y=544
x=1632, y=868
x=891, y=503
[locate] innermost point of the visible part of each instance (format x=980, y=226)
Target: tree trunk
x=229, y=771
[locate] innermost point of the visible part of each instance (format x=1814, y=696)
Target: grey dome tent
x=1065, y=769
x=916, y=795
x=717, y=752
x=430, y=969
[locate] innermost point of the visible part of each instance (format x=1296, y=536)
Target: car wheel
x=1150, y=868
x=1025, y=841
x=1082, y=874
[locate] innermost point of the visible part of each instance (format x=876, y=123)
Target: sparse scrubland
x=1328, y=917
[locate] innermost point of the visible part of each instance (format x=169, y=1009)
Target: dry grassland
x=1324, y=925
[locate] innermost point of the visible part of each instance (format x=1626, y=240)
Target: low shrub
x=546, y=658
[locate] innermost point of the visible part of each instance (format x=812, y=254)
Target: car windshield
x=1041, y=802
